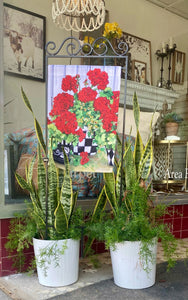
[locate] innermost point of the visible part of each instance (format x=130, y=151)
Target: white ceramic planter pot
x=59, y=270
x=128, y=265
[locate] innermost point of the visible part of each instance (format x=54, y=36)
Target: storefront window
x=18, y=141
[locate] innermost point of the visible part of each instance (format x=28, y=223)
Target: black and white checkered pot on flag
x=58, y=152
x=87, y=145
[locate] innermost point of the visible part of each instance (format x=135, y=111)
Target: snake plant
x=134, y=168
x=53, y=200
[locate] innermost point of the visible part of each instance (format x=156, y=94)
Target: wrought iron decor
x=70, y=49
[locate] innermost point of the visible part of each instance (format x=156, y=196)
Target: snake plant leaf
x=120, y=175
x=66, y=162
x=75, y=197
x=120, y=180
x=41, y=178
x=138, y=150
x=53, y=180
x=23, y=183
x=37, y=125
x=100, y=205
x=29, y=177
x=26, y=101
x=35, y=195
x=130, y=169
x=147, y=158
x=146, y=161
x=39, y=134
x=118, y=146
x=66, y=196
x=61, y=222
x=60, y=175
x=36, y=205
x=136, y=110
x=29, y=170
x=126, y=149
x=53, y=190
x=38, y=213
x=110, y=191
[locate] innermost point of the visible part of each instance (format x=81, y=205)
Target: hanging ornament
x=78, y=15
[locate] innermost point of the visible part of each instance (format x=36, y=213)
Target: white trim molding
x=149, y=97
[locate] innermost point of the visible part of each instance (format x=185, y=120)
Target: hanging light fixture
x=78, y=15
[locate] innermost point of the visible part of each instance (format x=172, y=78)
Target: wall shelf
x=150, y=97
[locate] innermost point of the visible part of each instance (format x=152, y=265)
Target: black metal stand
x=71, y=48
x=161, y=83
x=170, y=52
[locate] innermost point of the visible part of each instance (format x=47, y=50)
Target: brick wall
x=178, y=219
x=6, y=267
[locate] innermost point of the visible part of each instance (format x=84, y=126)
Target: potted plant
x=133, y=225
x=171, y=121
x=52, y=215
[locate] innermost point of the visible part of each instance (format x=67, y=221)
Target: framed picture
x=178, y=67
x=139, y=71
x=24, y=43
x=139, y=50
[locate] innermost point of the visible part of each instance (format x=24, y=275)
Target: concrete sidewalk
x=169, y=286
x=4, y=296
x=97, y=283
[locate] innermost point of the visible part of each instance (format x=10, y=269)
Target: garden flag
x=83, y=104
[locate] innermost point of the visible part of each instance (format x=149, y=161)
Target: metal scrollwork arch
x=72, y=47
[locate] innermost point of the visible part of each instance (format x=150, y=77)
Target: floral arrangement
x=112, y=30
x=85, y=106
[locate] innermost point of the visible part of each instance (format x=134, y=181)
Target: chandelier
x=78, y=15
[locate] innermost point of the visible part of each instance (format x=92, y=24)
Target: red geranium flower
x=87, y=94
x=81, y=134
x=70, y=83
x=62, y=102
x=84, y=158
x=66, y=123
x=98, y=78
x=101, y=103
